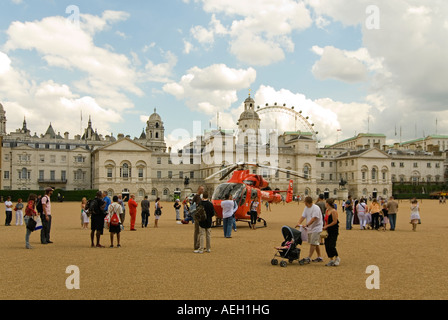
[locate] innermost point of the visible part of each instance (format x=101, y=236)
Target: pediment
x=124, y=145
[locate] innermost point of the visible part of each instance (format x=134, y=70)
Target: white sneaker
x=200, y=251
x=337, y=261
x=196, y=251
x=208, y=251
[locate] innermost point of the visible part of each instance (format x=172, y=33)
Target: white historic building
x=145, y=166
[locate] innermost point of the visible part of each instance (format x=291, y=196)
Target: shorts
x=314, y=238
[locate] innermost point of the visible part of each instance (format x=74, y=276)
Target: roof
x=249, y=115
x=50, y=132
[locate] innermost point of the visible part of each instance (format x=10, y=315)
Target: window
x=401, y=164
x=181, y=174
x=192, y=175
x=331, y=177
x=52, y=175
x=63, y=175
x=170, y=174
x=322, y=164
x=140, y=173
x=41, y=174
x=415, y=165
x=80, y=159
x=306, y=171
x=125, y=171
x=63, y=159
x=24, y=174
x=166, y=192
x=159, y=160
x=393, y=164
x=79, y=175
x=6, y=175
x=428, y=165
x=109, y=173
x=374, y=174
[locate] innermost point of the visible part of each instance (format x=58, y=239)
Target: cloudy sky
x=358, y=66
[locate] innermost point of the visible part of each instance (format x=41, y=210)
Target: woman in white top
x=157, y=212
x=415, y=214
x=228, y=209
x=361, y=209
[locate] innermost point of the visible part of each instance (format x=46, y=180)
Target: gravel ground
x=159, y=264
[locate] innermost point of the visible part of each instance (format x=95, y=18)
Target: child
x=30, y=213
x=19, y=213
x=385, y=216
x=84, y=217
x=286, y=246
x=415, y=214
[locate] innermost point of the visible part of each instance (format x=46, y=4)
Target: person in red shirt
x=133, y=211
x=30, y=213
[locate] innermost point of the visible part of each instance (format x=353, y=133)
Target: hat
x=49, y=189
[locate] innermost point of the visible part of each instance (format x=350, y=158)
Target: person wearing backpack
x=114, y=211
x=97, y=219
x=205, y=224
x=45, y=216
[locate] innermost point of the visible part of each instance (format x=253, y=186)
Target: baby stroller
x=289, y=250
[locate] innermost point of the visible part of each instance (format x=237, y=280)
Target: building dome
x=155, y=117
x=249, y=100
x=249, y=114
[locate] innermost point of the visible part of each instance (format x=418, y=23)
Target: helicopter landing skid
x=265, y=224
x=218, y=223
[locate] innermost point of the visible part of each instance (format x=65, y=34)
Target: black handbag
x=31, y=225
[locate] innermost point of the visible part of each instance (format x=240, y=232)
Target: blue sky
x=192, y=59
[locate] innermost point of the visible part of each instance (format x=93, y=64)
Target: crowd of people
x=102, y=213
x=322, y=222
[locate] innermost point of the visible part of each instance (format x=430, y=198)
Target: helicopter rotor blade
x=228, y=172
x=291, y=172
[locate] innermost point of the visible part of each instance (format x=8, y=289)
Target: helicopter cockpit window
x=254, y=195
x=237, y=190
x=249, y=182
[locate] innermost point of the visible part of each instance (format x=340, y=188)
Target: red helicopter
x=245, y=188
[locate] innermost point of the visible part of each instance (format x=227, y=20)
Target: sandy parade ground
x=159, y=264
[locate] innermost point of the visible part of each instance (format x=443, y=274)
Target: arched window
x=306, y=171
x=374, y=173
x=24, y=174
x=125, y=171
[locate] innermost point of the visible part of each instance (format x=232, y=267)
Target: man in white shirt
x=8, y=209
x=228, y=209
x=314, y=223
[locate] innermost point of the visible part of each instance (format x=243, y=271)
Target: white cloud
x=161, y=72
x=337, y=64
x=260, y=31
x=64, y=45
x=211, y=89
x=104, y=77
x=408, y=65
x=5, y=63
